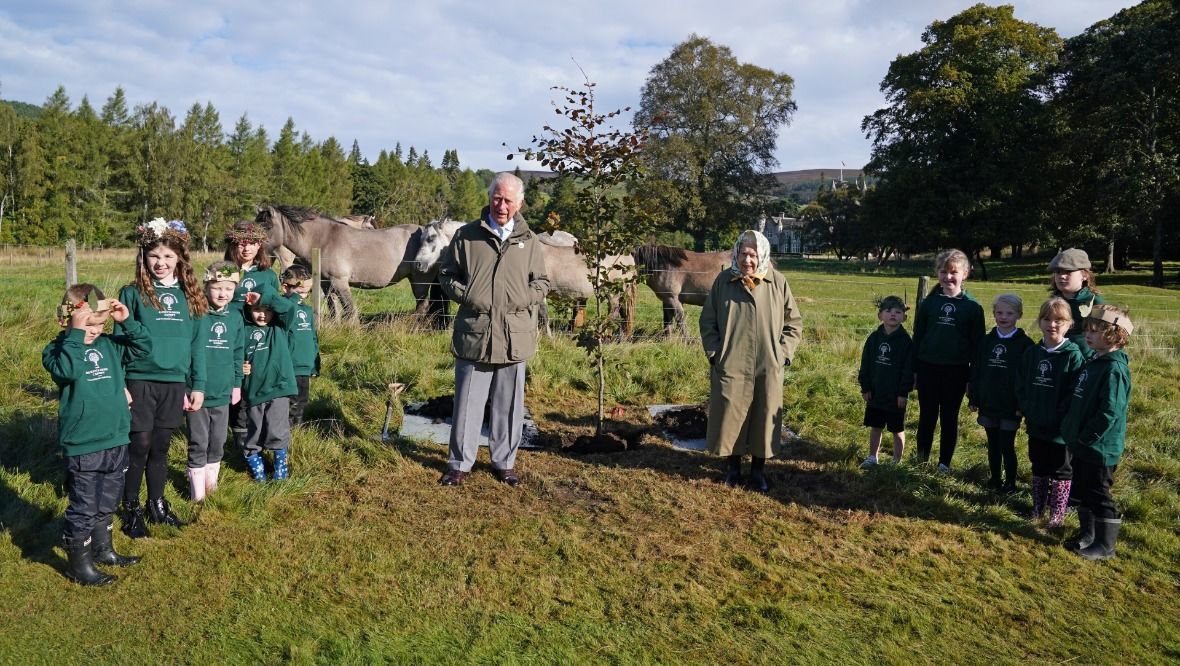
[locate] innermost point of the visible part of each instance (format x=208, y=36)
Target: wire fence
x=827, y=302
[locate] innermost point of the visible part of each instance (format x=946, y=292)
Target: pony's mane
x=659, y=257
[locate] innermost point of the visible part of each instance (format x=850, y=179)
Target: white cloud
x=466, y=75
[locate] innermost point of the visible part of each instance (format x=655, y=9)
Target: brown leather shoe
x=507, y=476
x=453, y=477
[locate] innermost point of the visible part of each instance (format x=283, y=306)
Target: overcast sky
x=467, y=75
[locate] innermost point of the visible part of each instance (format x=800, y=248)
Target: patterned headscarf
x=756, y=239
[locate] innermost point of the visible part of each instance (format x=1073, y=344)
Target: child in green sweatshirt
x=222, y=335
x=948, y=328
x=992, y=390
x=269, y=382
x=305, y=341
x=886, y=377
x=93, y=423
x=1095, y=429
x=1044, y=380
x=168, y=301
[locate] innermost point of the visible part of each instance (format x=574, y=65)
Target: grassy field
x=611, y=558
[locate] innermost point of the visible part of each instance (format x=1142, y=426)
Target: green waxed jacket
x=1043, y=384
x=499, y=286
x=1095, y=426
x=93, y=413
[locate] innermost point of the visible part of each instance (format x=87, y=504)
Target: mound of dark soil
x=685, y=423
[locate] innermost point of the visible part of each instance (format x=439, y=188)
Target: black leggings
x=1001, y=448
x=148, y=449
x=940, y=395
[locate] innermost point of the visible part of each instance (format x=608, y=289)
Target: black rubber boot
x=160, y=512
x=733, y=472
x=81, y=565
x=103, y=548
x=134, y=525
x=1106, y=533
x=1085, y=534
x=757, y=481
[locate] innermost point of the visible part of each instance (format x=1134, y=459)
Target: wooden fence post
x=923, y=287
x=71, y=263
x=317, y=293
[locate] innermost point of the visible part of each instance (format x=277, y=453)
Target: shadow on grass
x=28, y=445
x=817, y=476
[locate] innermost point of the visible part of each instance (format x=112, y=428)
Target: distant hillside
x=23, y=110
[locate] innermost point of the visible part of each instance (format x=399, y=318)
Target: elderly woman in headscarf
x=750, y=328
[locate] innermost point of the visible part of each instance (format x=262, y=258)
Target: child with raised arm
x=93, y=423
x=1044, y=379
x=1095, y=429
x=948, y=329
x=222, y=333
x=993, y=389
x=166, y=299
x=269, y=382
x=886, y=377
x=305, y=341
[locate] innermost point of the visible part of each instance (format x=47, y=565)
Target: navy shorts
x=880, y=418
x=156, y=405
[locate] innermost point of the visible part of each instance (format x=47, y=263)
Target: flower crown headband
x=248, y=231
x=161, y=229
x=222, y=274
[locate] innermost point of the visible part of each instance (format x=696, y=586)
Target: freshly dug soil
x=685, y=423
x=439, y=407
x=607, y=442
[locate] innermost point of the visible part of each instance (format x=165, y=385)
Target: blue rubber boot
x=257, y=469
x=281, y=471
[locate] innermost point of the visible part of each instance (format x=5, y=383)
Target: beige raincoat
x=749, y=336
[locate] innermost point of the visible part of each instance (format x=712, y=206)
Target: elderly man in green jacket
x=495, y=271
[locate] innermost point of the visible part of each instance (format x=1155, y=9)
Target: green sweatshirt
x=268, y=350
x=1087, y=299
x=1044, y=380
x=993, y=375
x=223, y=336
x=178, y=354
x=93, y=414
x=305, y=342
x=886, y=368
x=1095, y=427
x=947, y=331
x=254, y=279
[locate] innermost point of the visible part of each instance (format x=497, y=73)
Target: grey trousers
x=473, y=384
x=206, y=435
x=268, y=426
x=94, y=484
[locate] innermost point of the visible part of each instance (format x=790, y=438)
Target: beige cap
x=1112, y=316
x=1072, y=259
